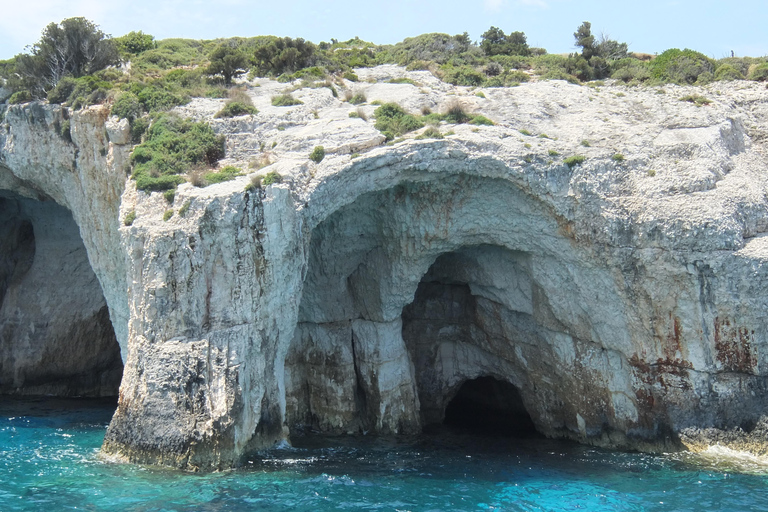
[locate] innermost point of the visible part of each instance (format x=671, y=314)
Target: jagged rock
x=623, y=297
x=118, y=130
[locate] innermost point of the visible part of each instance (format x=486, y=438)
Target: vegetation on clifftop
x=75, y=64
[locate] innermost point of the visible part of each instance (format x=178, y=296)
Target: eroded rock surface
x=623, y=298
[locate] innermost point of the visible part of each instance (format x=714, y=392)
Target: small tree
x=227, y=61
x=134, y=43
x=585, y=40
x=495, y=42
x=284, y=55
x=75, y=47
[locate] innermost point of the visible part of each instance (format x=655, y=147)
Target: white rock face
x=622, y=297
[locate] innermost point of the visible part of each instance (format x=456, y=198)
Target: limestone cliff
x=622, y=296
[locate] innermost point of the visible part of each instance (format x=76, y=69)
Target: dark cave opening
x=57, y=335
x=489, y=406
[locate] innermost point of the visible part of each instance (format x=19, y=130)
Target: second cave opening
x=489, y=406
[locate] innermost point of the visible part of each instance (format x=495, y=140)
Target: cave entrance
x=489, y=406
x=469, y=320
x=56, y=336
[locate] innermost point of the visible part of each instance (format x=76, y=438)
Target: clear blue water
x=49, y=461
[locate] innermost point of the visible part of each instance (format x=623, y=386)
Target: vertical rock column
x=213, y=300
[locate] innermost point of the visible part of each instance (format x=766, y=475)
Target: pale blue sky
x=714, y=27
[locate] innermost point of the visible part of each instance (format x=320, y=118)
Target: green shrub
x=573, y=161
x=516, y=76
x=127, y=106
x=227, y=173
x=358, y=99
x=185, y=208
x=495, y=42
x=349, y=75
x=139, y=127
x=680, y=66
x=585, y=143
x=481, y=120
x=525, y=132
x=552, y=152
x=463, y=75
x=434, y=47
x=236, y=108
x=169, y=195
x=62, y=91
x=317, y=154
x=759, y=73
x=174, y=145
x=393, y=121
x=134, y=43
x=728, y=72
x=159, y=95
x=272, y=177
x=65, y=131
x=167, y=215
x=630, y=70
x=285, y=100
x=129, y=218
x=431, y=133
x=402, y=80
x=696, y=99
x=20, y=97
x=617, y=157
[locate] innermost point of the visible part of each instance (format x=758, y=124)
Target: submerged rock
x=618, y=297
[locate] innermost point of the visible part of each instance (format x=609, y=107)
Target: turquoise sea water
x=49, y=461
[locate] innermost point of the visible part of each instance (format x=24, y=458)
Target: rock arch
x=55, y=331
x=354, y=364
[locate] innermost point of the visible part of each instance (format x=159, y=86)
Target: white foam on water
x=722, y=458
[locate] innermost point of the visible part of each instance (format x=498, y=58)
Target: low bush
x=169, y=195
x=431, y=133
x=129, y=218
x=463, y=75
x=481, y=120
x=573, y=161
x=285, y=100
x=174, y=145
x=728, y=72
x=617, y=157
x=65, y=130
x=227, y=173
x=317, y=154
x=167, y=215
x=185, y=208
x=402, y=80
x=393, y=121
x=696, y=99
x=20, y=97
x=236, y=108
x=127, y=106
x=681, y=66
x=358, y=99
x=272, y=177
x=759, y=72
